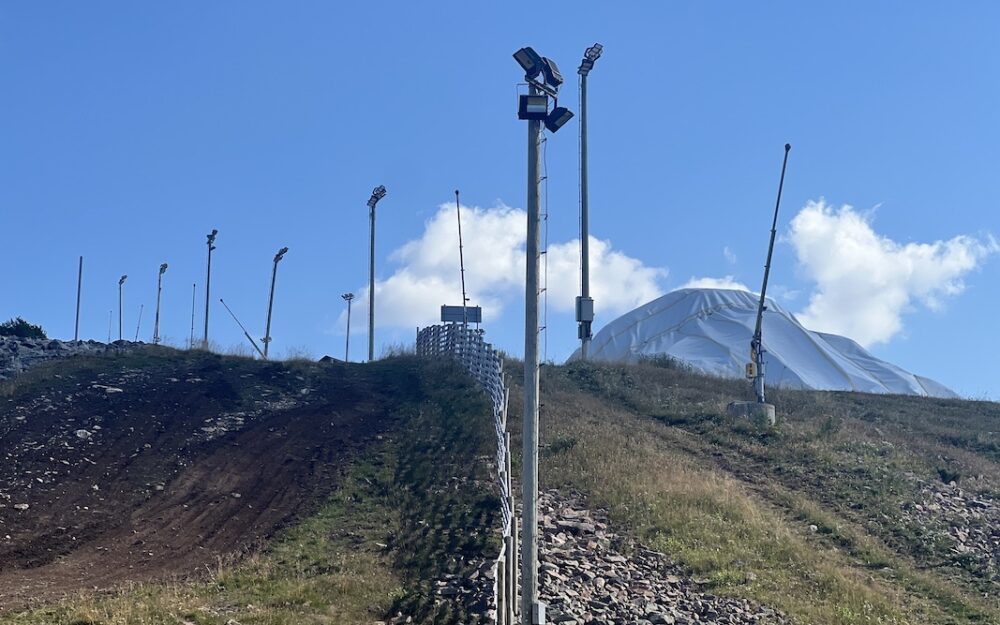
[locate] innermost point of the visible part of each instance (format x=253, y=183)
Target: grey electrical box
x=538, y=613
x=456, y=314
x=584, y=308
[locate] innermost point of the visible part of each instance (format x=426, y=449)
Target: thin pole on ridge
x=756, y=344
x=461, y=262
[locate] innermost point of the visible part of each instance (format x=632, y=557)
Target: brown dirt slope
x=153, y=464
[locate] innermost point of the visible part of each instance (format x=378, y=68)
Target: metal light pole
x=529, y=483
x=533, y=107
x=194, y=289
x=584, y=303
x=377, y=194
x=79, y=287
x=348, y=297
x=208, y=283
x=270, y=302
x=121, y=281
x=756, y=343
x=159, y=289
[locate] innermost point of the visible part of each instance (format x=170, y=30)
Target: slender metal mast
x=208, y=283
x=461, y=262
x=529, y=480
x=79, y=288
x=121, y=281
x=270, y=302
x=756, y=345
x=159, y=290
x=348, y=297
x=584, y=303
x=245, y=333
x=377, y=194
x=194, y=290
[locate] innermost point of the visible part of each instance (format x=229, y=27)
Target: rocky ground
x=17, y=354
x=967, y=522
x=593, y=576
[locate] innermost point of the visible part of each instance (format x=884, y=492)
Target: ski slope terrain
x=710, y=331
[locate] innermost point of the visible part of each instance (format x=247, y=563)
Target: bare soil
x=158, y=464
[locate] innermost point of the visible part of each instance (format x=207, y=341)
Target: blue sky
x=131, y=130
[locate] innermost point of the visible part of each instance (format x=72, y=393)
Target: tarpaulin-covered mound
x=710, y=330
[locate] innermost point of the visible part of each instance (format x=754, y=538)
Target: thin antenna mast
x=756, y=369
x=137, y=325
x=194, y=288
x=461, y=262
x=245, y=333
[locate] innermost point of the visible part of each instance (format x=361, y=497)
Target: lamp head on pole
x=163, y=268
x=211, y=239
x=377, y=194
x=348, y=296
x=281, y=253
x=121, y=280
x=592, y=54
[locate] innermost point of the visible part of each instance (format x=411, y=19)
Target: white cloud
x=865, y=282
x=427, y=271
x=727, y=282
x=729, y=255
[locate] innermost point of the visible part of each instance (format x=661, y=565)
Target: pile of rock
x=19, y=354
x=969, y=522
x=586, y=578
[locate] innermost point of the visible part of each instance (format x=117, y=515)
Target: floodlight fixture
x=533, y=107
x=553, y=77
x=281, y=253
x=530, y=61
x=121, y=280
x=377, y=194
x=589, y=57
x=163, y=269
x=558, y=118
x=211, y=238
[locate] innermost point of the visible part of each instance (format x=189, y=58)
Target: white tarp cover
x=710, y=330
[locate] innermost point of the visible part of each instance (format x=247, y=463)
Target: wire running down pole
x=245, y=333
x=756, y=343
x=461, y=262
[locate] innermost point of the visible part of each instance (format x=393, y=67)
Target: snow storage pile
x=710, y=330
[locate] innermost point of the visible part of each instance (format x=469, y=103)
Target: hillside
x=185, y=487
x=856, y=509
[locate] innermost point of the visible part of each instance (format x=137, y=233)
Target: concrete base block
x=761, y=414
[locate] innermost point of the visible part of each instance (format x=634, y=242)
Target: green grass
x=735, y=504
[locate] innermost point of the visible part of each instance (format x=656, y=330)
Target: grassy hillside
x=379, y=489
x=830, y=517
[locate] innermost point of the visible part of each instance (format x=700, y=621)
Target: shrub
x=22, y=329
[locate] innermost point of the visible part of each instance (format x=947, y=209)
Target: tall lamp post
x=543, y=79
x=270, y=301
x=377, y=194
x=584, y=303
x=348, y=297
x=208, y=283
x=159, y=289
x=121, y=281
